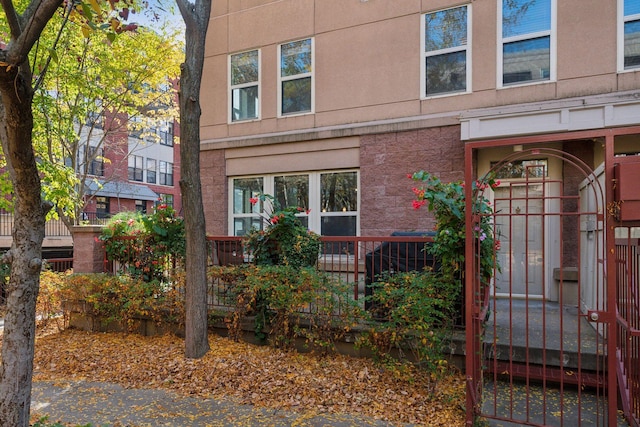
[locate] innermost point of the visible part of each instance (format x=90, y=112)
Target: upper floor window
x=164, y=133
x=166, y=173
x=244, y=77
x=446, y=46
x=96, y=161
x=151, y=171
x=135, y=168
x=527, y=32
x=628, y=34
x=296, y=77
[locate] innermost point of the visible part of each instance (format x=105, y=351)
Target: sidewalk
x=105, y=404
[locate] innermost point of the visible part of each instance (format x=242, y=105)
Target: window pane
x=535, y=168
x=527, y=60
x=631, y=7
x=292, y=191
x=243, y=190
x=296, y=96
x=338, y=226
x=242, y=226
x=525, y=17
x=446, y=73
x=244, y=68
x=244, y=102
x=446, y=29
x=632, y=44
x=295, y=58
x=339, y=192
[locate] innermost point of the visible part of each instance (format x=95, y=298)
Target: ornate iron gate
x=538, y=334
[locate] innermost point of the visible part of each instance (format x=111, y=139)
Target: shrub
x=124, y=299
x=413, y=317
x=284, y=241
x=289, y=303
x=146, y=246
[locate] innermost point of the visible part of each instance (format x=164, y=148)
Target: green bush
x=148, y=246
x=289, y=303
x=412, y=318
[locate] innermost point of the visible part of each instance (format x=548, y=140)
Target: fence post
x=88, y=250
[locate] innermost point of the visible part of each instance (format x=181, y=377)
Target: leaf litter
x=262, y=376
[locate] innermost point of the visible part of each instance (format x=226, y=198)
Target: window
x=166, y=199
x=534, y=168
x=141, y=206
x=628, y=34
x=244, y=77
x=151, y=171
x=166, y=173
x=135, y=168
x=446, y=47
x=102, y=207
x=331, y=197
x=295, y=77
x=164, y=134
x=527, y=34
x=96, y=162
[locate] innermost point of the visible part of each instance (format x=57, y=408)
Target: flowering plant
x=447, y=203
x=284, y=240
x=145, y=244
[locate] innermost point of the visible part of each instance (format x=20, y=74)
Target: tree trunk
x=196, y=22
x=16, y=124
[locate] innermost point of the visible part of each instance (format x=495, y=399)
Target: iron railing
x=354, y=260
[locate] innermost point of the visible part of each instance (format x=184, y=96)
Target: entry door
x=519, y=223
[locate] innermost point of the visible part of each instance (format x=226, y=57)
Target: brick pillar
x=88, y=251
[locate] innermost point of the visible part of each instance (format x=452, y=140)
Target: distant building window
x=245, y=76
x=102, y=207
x=164, y=134
x=526, y=29
x=445, y=62
x=96, y=162
x=151, y=171
x=135, y=168
x=166, y=199
x=628, y=34
x=141, y=206
x=166, y=173
x=295, y=78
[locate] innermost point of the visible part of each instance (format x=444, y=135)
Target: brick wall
x=385, y=161
x=214, y=191
x=572, y=177
x=88, y=252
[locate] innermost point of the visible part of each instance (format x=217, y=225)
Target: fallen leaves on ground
x=250, y=374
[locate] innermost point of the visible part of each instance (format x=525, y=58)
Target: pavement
x=78, y=403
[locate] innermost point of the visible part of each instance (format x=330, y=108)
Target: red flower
x=308, y=211
x=275, y=220
x=253, y=200
x=418, y=203
x=410, y=176
x=497, y=245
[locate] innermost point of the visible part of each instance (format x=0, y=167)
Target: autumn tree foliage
x=22, y=26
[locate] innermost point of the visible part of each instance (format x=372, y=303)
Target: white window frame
x=424, y=55
x=310, y=74
x=232, y=87
x=552, y=33
x=315, y=216
x=622, y=19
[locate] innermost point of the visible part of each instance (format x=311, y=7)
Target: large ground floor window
x=331, y=197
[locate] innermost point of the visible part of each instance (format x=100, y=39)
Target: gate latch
x=598, y=316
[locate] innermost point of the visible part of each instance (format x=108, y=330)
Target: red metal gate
x=539, y=333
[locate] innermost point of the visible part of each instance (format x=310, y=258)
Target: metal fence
x=354, y=260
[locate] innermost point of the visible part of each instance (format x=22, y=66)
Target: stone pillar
x=88, y=250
